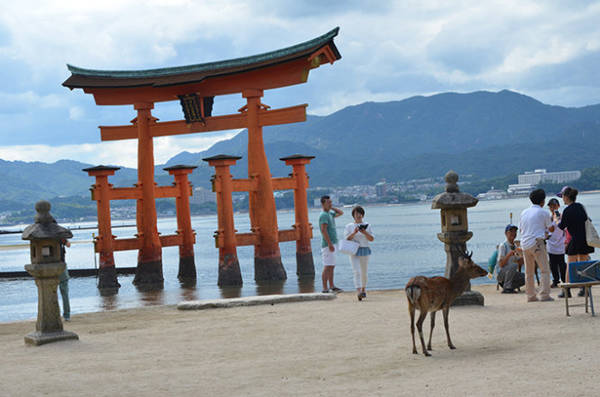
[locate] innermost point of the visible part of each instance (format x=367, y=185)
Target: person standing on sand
x=328, y=242
x=63, y=279
x=360, y=233
x=533, y=224
x=556, y=247
x=573, y=219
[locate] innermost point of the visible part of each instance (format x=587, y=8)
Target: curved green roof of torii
x=81, y=77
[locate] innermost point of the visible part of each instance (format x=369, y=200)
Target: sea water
x=405, y=245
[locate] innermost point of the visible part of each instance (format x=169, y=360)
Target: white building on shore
x=202, y=195
x=541, y=176
x=520, y=189
x=493, y=194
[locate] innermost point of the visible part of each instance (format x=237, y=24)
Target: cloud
x=17, y=101
x=390, y=50
x=76, y=113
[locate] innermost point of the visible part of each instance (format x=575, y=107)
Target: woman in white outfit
x=361, y=233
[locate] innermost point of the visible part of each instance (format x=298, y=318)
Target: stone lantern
x=455, y=234
x=45, y=236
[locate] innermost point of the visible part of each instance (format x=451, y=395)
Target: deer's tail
x=413, y=292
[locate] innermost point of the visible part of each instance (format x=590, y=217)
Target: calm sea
x=405, y=245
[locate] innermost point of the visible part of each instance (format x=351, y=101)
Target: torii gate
x=195, y=86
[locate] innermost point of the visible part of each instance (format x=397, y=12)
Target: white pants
x=359, y=265
x=327, y=256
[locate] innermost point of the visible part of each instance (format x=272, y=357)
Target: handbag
x=591, y=234
x=348, y=247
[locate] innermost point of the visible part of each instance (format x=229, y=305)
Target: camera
x=557, y=213
x=363, y=226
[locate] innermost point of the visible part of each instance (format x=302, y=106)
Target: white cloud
x=76, y=113
x=17, y=101
x=391, y=50
x=122, y=153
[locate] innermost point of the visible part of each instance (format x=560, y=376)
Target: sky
x=391, y=50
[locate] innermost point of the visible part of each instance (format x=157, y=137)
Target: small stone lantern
x=455, y=234
x=45, y=236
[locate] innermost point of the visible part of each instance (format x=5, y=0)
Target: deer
x=430, y=295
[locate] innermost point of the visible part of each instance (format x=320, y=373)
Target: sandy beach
x=325, y=348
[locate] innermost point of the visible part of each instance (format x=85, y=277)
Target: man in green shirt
x=328, y=242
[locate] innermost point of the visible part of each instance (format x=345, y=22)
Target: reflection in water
x=187, y=283
x=269, y=287
x=109, y=302
x=188, y=292
x=231, y=292
x=152, y=297
x=306, y=285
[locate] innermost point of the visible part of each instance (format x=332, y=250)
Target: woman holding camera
x=360, y=233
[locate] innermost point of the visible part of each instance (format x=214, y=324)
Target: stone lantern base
x=49, y=327
x=39, y=338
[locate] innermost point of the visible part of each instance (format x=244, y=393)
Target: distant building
x=541, y=176
x=493, y=194
x=202, y=195
x=381, y=189
x=520, y=189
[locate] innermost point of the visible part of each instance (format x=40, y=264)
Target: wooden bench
x=587, y=286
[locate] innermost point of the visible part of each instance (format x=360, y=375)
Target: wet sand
x=323, y=348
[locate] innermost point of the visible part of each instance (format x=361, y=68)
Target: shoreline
x=339, y=347
x=283, y=210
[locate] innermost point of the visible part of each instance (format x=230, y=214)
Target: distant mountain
x=31, y=181
x=481, y=133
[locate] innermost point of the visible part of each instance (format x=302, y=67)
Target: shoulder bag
x=591, y=234
x=348, y=247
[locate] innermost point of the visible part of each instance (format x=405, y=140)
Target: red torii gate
x=195, y=87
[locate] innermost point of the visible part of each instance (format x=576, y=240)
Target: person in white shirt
x=533, y=225
x=556, y=247
x=361, y=233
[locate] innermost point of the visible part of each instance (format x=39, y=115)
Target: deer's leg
x=411, y=311
x=422, y=316
x=432, y=317
x=445, y=311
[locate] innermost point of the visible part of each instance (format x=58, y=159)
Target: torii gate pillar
x=263, y=214
x=107, y=272
x=305, y=266
x=229, y=266
x=187, y=265
x=149, y=269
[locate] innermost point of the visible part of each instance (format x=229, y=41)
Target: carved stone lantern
x=455, y=234
x=45, y=237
